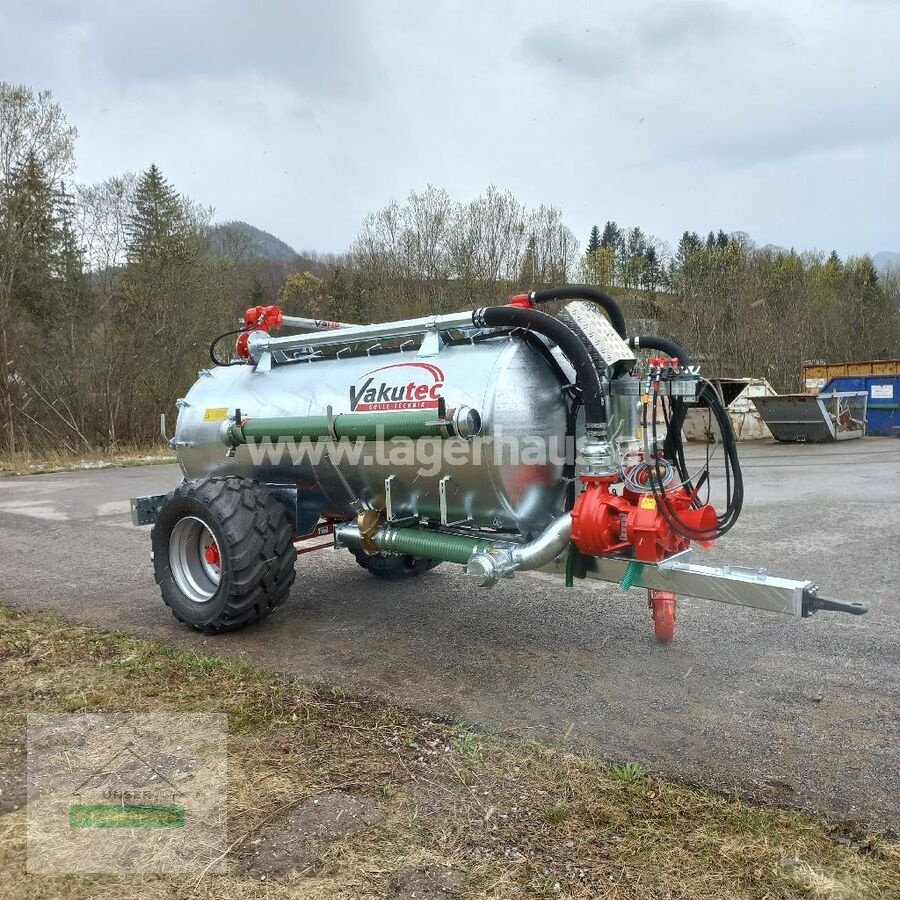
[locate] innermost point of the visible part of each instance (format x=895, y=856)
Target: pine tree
x=722, y=240
x=612, y=236
x=865, y=273
x=593, y=244
x=257, y=295
x=689, y=244
x=634, y=264
x=651, y=275
x=158, y=226
x=71, y=278
x=35, y=210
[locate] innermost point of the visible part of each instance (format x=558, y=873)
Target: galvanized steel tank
x=509, y=383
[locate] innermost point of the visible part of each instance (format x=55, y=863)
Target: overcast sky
x=781, y=119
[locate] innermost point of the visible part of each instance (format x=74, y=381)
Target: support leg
x=662, y=608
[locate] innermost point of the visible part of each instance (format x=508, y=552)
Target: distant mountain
x=239, y=240
x=886, y=260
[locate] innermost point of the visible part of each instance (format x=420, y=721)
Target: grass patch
x=629, y=773
x=508, y=819
x=49, y=462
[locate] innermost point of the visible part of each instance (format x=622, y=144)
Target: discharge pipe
x=485, y=559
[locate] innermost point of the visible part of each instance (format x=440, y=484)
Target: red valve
x=522, y=301
x=257, y=318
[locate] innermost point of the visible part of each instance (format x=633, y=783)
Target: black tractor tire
x=392, y=567
x=254, y=541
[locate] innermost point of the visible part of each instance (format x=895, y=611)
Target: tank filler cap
x=482, y=568
x=465, y=421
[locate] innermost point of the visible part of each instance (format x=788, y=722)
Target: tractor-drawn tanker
x=503, y=439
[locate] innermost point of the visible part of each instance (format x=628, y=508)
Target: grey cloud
x=313, y=50
x=590, y=55
x=778, y=118
x=643, y=37
x=731, y=85
x=699, y=22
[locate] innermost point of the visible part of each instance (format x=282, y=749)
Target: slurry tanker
x=501, y=439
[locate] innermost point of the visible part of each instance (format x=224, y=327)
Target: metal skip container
x=816, y=418
x=883, y=399
x=880, y=379
x=737, y=397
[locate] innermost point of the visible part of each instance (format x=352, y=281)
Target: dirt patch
x=13, y=791
x=278, y=852
x=428, y=883
x=332, y=816
x=293, y=846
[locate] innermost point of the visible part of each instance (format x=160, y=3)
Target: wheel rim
x=192, y=551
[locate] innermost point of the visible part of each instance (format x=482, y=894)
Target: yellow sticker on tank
x=647, y=503
x=216, y=414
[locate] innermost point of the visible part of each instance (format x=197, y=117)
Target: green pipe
x=413, y=424
x=632, y=574
x=369, y=426
x=455, y=548
x=255, y=430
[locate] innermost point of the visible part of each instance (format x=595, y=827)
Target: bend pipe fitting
x=487, y=567
x=664, y=345
x=545, y=547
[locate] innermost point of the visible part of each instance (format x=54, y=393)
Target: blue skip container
x=883, y=410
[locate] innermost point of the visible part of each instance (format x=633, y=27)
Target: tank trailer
x=502, y=439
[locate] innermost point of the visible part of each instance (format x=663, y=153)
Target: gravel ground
x=804, y=713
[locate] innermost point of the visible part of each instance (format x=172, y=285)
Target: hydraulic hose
x=583, y=292
x=672, y=445
x=573, y=349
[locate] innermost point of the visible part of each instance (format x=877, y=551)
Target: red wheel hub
x=662, y=608
x=213, y=557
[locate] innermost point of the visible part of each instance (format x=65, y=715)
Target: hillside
x=240, y=240
x=886, y=260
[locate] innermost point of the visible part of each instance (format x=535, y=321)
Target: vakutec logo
x=387, y=388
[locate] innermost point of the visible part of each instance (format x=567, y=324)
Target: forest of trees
x=110, y=293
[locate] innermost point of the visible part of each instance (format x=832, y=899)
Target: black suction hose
x=583, y=292
x=664, y=345
x=568, y=342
